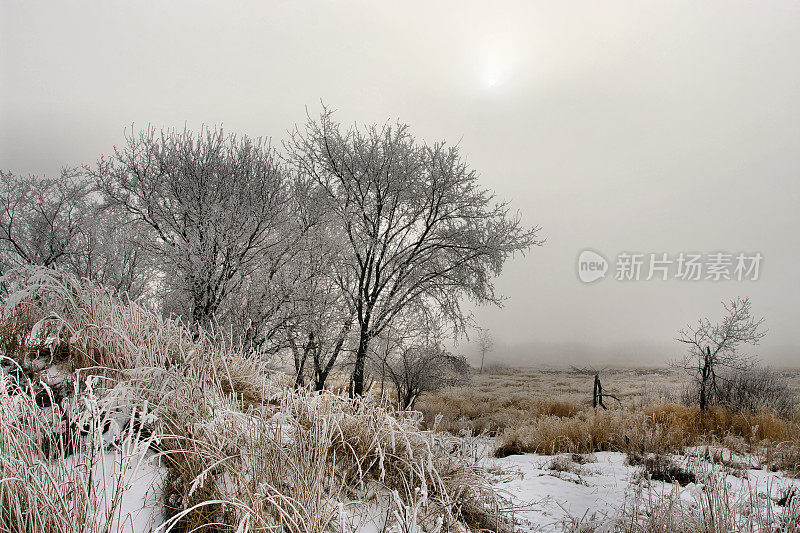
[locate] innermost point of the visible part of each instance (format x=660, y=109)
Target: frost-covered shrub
x=758, y=389
x=239, y=449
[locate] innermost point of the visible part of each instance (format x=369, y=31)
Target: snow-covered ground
x=545, y=498
x=137, y=483
x=545, y=492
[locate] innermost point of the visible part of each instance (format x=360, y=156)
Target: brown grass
x=244, y=452
x=661, y=429
x=518, y=409
x=478, y=412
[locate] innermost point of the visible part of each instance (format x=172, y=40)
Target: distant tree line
x=350, y=248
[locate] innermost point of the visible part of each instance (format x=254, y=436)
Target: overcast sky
x=621, y=127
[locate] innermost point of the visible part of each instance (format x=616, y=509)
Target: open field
x=634, y=386
x=550, y=411
x=569, y=467
x=501, y=398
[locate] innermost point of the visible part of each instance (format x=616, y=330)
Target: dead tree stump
x=597, y=396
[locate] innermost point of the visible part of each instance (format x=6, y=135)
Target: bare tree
x=417, y=224
x=713, y=348
x=412, y=357
x=214, y=205
x=319, y=314
x=485, y=344
x=41, y=218
x=110, y=253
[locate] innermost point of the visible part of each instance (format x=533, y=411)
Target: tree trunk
x=199, y=320
x=321, y=371
x=703, y=406
x=361, y=357
x=383, y=374
x=203, y=310
x=300, y=359
x=704, y=375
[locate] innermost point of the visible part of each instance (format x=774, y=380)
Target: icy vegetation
x=605, y=492
x=115, y=419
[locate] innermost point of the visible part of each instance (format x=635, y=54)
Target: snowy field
x=547, y=499
x=543, y=499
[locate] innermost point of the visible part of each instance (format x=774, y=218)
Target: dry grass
x=590, y=431
x=516, y=406
x=494, y=401
x=242, y=451
x=58, y=472
x=661, y=429
x=467, y=409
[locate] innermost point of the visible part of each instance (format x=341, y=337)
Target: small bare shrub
x=582, y=459
x=661, y=468
x=564, y=464
x=758, y=389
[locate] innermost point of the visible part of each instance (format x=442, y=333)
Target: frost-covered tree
x=298, y=307
x=214, y=206
x=485, y=344
x=713, y=349
x=411, y=356
x=41, y=218
x=416, y=222
x=110, y=253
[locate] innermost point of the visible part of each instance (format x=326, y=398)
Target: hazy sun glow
x=498, y=58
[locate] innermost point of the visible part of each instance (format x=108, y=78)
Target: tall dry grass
x=465, y=409
x=67, y=468
x=239, y=450
x=659, y=429
x=525, y=419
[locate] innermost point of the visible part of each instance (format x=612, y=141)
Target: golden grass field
x=548, y=410
x=634, y=386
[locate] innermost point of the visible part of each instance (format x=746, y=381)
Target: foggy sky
x=637, y=126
